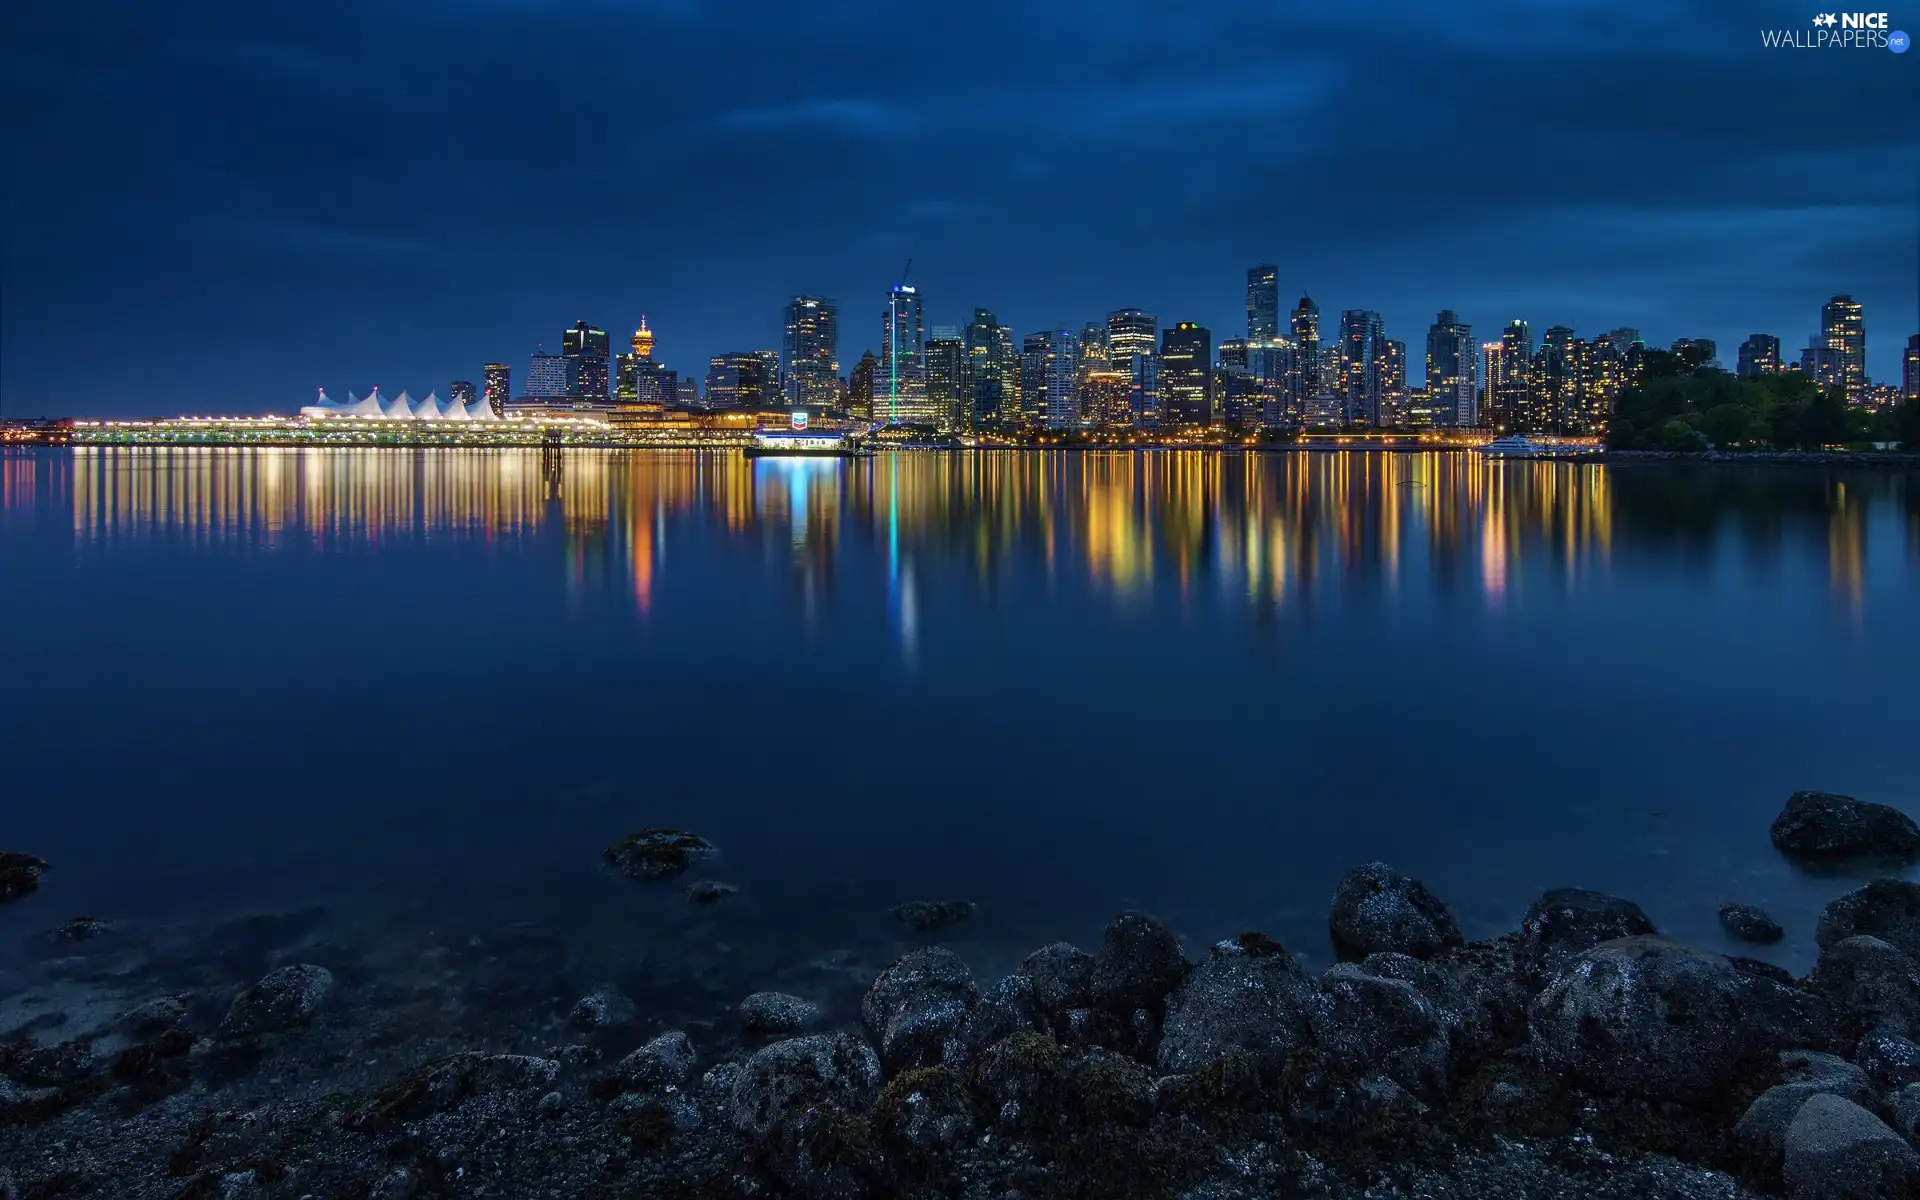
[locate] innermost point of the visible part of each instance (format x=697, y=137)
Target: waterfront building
x=1759, y=355
x=375, y=407
x=1095, y=354
x=901, y=388
x=1510, y=395
x=498, y=380
x=1013, y=403
x=1910, y=369
x=1106, y=397
x=1393, y=382
x=551, y=376
x=1145, y=400
x=462, y=393
x=946, y=378
x=1556, y=382
x=1033, y=369
x=589, y=349
x=1263, y=302
x=1843, y=330
x=1452, y=365
x=688, y=389
x=1131, y=331
x=1060, y=403
x=860, y=386
x=985, y=385
x=1361, y=353
x=811, y=352
x=1305, y=323
x=739, y=379
x=1186, y=374
x=1270, y=364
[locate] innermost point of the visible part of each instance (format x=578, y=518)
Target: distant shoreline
x=1894, y=459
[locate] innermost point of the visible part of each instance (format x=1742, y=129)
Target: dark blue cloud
x=214, y=204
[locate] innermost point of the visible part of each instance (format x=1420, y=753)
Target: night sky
x=220, y=205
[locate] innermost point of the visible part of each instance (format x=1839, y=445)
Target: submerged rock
x=1763, y=1130
x=766, y=1013
x=1648, y=1017
x=915, y=1005
x=657, y=853
x=282, y=1000
x=604, y=1006
x=662, y=1063
x=1750, y=924
x=929, y=915
x=1872, y=984
x=1567, y=922
x=1837, y=1150
x=1888, y=909
x=1823, y=826
x=798, y=1073
x=1138, y=965
x=705, y=892
x=80, y=929
x=19, y=874
x=1253, y=1003
x=1062, y=976
x=1376, y=909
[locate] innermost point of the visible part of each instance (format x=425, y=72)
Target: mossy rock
x=920, y=1117
x=657, y=853
x=823, y=1151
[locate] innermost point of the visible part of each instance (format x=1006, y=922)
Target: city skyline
x=268, y=209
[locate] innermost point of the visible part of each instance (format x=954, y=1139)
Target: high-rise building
x=1509, y=396
x=860, y=386
x=1825, y=365
x=688, y=390
x=1362, y=335
x=739, y=379
x=461, y=392
x=1554, y=402
x=1012, y=399
x=1701, y=352
x=589, y=349
x=1061, y=403
x=1132, y=342
x=551, y=376
x=1910, y=369
x=1186, y=374
x=1452, y=390
x=985, y=383
x=1759, y=355
x=1393, y=382
x=1493, y=362
x=946, y=378
x=498, y=378
x=1095, y=354
x=1232, y=353
x=1147, y=402
x=1107, y=398
x=1263, y=302
x=901, y=388
x=770, y=378
x=1306, y=355
x=1033, y=373
x=811, y=352
x=1844, y=330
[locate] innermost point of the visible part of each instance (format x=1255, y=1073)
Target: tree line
x=1680, y=403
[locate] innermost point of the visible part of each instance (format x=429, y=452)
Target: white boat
x=1512, y=446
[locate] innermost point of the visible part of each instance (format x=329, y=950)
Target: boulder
x=1871, y=985
x=1891, y=1061
x=662, y=1063
x=1649, y=1017
x=443, y=1084
x=776, y=1013
x=1763, y=1130
x=1567, y=922
x=1377, y=909
x=657, y=853
x=1837, y=1150
x=1904, y=1107
x=1823, y=827
x=915, y=1005
x=1888, y=909
x=1253, y=1002
x=824, y=1152
x=165, y=1012
x=796, y=1074
x=601, y=1008
x=80, y=929
x=1368, y=1024
x=19, y=874
x=1008, y=1007
x=925, y=916
x=1750, y=924
x=1062, y=976
x=1138, y=965
x=708, y=892
x=284, y=999
x=924, y=1112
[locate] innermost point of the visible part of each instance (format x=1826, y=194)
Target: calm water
x=1057, y=684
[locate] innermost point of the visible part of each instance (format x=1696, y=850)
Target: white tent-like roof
x=401, y=408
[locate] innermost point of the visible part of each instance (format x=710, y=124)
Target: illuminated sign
x=800, y=419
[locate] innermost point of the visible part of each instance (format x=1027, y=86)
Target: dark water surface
x=405, y=683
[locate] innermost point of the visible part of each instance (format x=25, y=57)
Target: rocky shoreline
x=1581, y=1055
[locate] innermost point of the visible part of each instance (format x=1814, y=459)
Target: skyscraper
x=985, y=383
x=1062, y=403
x=551, y=376
x=901, y=389
x=1033, y=373
x=1844, y=330
x=739, y=379
x=1233, y=353
x=1509, y=393
x=1701, y=352
x=688, y=391
x=1492, y=356
x=1186, y=374
x=1361, y=351
x=1094, y=352
x=946, y=379
x=1306, y=355
x=811, y=352
x=498, y=378
x=1263, y=302
x=1132, y=341
x=1555, y=396
x=1106, y=398
x=1759, y=355
x=1012, y=401
x=1393, y=383
x=1910, y=369
x=1451, y=368
x=589, y=349
x=461, y=392
x=860, y=386
x=1825, y=365
x=770, y=377
x=1270, y=363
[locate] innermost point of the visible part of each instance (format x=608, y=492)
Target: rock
x=1904, y=1107
x=1763, y=1130
x=1138, y=965
x=24, y=1105
x=1823, y=826
x=67, y=1062
x=1008, y=1007
x=1648, y=1017
x=1837, y=1150
x=165, y=1012
x=706, y=892
x=824, y=1152
x=1760, y=970
x=1255, y=1003
x=19, y=874
x=604, y=1006
x=1567, y=922
x=657, y=853
x=448, y=1082
x=284, y=999
x=1888, y=909
x=924, y=1111
x=552, y=1104
x=80, y=929
x=1750, y=924
x=398, y=1184
x=1871, y=984
x=156, y=1068
x=915, y=1005
x=798, y=1073
x=662, y=1063
x=929, y=915
x=1891, y=1061
x=1019, y=1079
x=776, y=1013
x=1376, y=908
x=1062, y=976
x=1372, y=1024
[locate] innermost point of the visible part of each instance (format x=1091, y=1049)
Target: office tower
x=1393, y=382
x=860, y=385
x=687, y=390
x=739, y=379
x=811, y=351
x=461, y=392
x=1306, y=354
x=1701, y=353
x=1824, y=365
x=1910, y=369
x=498, y=378
x=589, y=349
x=1270, y=363
x=1233, y=353
x=1759, y=355
x=1238, y=397
x=1508, y=396
x=1843, y=329
x=1131, y=331
x=1033, y=374
x=1358, y=386
x=1095, y=354
x=946, y=378
x=626, y=378
x=1263, y=303
x=1059, y=405
x=771, y=378
x=1451, y=367
x=985, y=383
x=947, y=333
x=1186, y=374
x=1106, y=399
x=551, y=376
x=901, y=388
x=1147, y=401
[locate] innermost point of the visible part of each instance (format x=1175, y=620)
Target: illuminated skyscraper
x=739, y=379
x=1759, y=355
x=1508, y=394
x=1033, y=373
x=1012, y=397
x=1095, y=355
x=1910, y=369
x=1701, y=352
x=1106, y=398
x=770, y=378
x=1306, y=354
x=946, y=379
x=985, y=383
x=1233, y=353
x=1270, y=364
x=688, y=389
x=1362, y=335
x=589, y=349
x=901, y=389
x=551, y=376
x=1186, y=374
x=1844, y=331
x=860, y=386
x=461, y=392
x=1451, y=369
x=1263, y=303
x=1131, y=331
x=498, y=379
x=1061, y=400
x=1393, y=382
x=811, y=352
